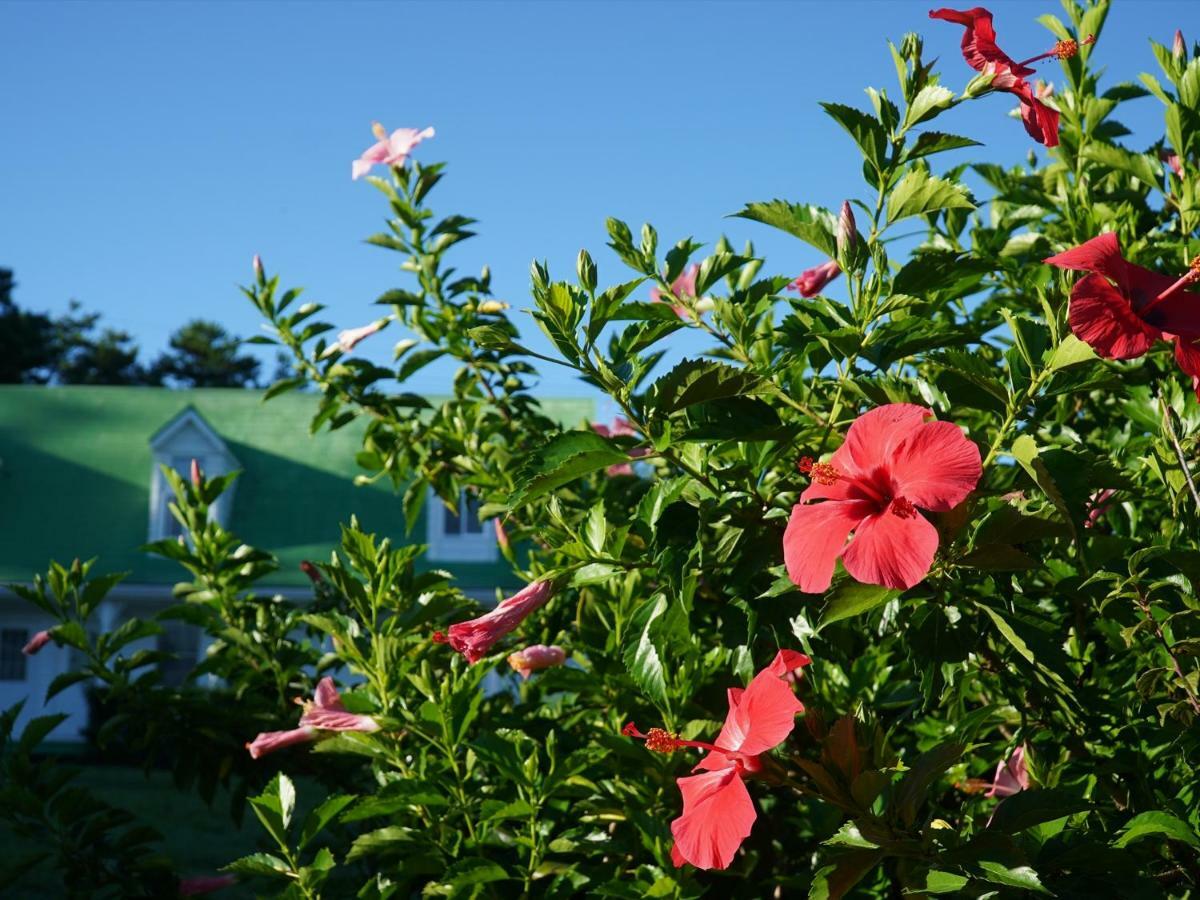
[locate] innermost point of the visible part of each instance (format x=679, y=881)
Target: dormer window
x=457, y=535
x=175, y=445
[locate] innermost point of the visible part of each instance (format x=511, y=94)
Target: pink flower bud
x=36, y=643
x=535, y=658
x=258, y=268
x=1178, y=49
x=197, y=475
x=501, y=534
x=475, y=637
x=313, y=573
x=847, y=233
x=812, y=281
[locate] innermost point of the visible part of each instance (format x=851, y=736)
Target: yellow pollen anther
x=1066, y=49
x=661, y=741
x=379, y=131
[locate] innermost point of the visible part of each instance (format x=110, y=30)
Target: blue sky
x=150, y=149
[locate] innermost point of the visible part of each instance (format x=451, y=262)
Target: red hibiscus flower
x=475, y=637
x=981, y=53
x=895, y=459
x=1121, y=310
x=717, y=810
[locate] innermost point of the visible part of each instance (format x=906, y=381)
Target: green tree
x=83, y=357
x=27, y=344
x=204, y=354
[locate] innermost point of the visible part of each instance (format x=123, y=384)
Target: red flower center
x=902, y=508
x=661, y=741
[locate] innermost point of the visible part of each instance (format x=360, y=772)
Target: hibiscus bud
x=36, y=643
x=258, y=268
x=535, y=658
x=501, y=534
x=492, y=307
x=475, y=637
x=812, y=281
x=197, y=475
x=847, y=233
x=313, y=573
x=1178, y=49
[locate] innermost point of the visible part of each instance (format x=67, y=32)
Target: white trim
x=468, y=545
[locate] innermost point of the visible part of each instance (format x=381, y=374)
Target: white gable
x=175, y=445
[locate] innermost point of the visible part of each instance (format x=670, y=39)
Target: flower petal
x=763, y=717
x=979, y=43
x=1041, y=121
x=1100, y=316
x=875, y=434
x=327, y=696
x=1187, y=355
x=717, y=816
x=1100, y=255
x=891, y=551
x=815, y=536
x=936, y=467
x=786, y=661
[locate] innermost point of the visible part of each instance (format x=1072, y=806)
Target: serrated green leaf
x=918, y=193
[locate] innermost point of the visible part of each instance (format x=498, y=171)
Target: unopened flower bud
x=847, y=233
x=36, y=643
x=258, y=268
x=197, y=475
x=313, y=573
x=492, y=307
x=1178, y=49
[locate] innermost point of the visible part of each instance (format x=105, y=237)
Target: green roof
x=76, y=466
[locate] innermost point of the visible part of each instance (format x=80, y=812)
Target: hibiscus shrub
x=891, y=590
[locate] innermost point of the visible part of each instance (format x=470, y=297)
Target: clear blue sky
x=150, y=149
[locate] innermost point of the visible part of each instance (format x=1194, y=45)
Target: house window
x=12, y=660
x=456, y=534
x=186, y=437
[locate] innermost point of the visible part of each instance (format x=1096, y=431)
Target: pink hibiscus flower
x=535, y=658
x=324, y=713
x=894, y=462
x=474, y=638
x=717, y=810
x=350, y=338
x=388, y=150
x=1121, y=310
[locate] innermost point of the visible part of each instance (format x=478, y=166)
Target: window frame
x=464, y=546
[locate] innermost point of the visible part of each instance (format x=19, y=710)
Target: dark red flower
x=1120, y=309
x=717, y=810
x=895, y=459
x=982, y=54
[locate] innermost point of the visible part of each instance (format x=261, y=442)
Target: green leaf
x=322, y=816
x=938, y=882
x=1071, y=352
x=700, y=380
x=560, y=461
x=851, y=598
x=834, y=881
x=1138, y=165
x=1009, y=635
x=259, y=864
x=915, y=784
x=812, y=224
x=1018, y=876
x=918, y=193
x=473, y=870
x=867, y=132
x=931, y=142
x=641, y=655
x=1029, y=808
x=931, y=100
x=1156, y=823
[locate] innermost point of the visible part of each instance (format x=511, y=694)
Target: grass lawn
x=199, y=839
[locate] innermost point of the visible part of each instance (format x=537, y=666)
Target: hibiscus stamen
x=1191, y=275
x=1061, y=50
x=902, y=508
x=821, y=473
x=439, y=637
x=660, y=740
